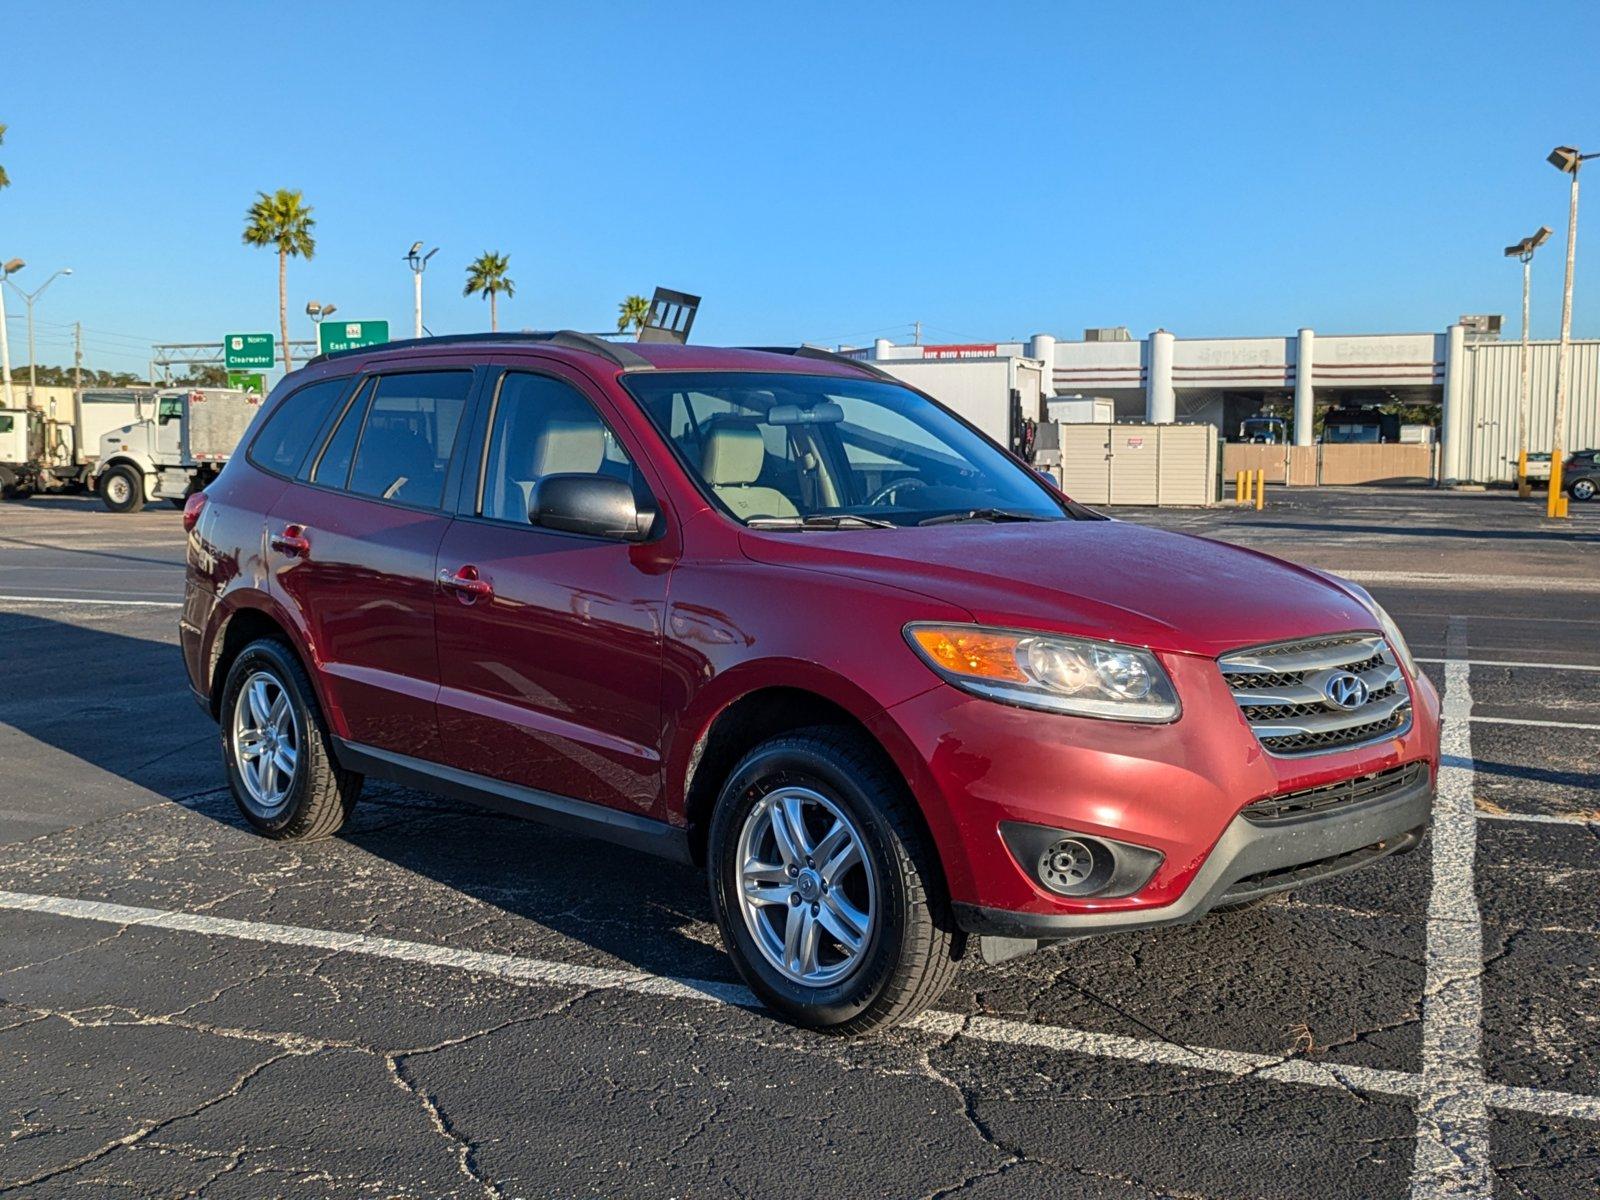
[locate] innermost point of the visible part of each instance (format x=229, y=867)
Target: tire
x=122, y=490
x=318, y=795
x=907, y=956
x=1583, y=489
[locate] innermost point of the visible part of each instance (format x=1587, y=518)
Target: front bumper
x=1248, y=861
x=976, y=766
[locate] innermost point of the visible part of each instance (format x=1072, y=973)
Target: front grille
x=1347, y=792
x=1286, y=693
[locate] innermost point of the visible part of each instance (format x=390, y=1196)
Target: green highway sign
x=244, y=351
x=248, y=381
x=347, y=335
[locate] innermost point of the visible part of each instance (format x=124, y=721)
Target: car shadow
x=650, y=913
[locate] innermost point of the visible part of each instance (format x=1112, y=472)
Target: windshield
x=784, y=449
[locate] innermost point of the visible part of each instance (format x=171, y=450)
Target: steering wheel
x=893, y=486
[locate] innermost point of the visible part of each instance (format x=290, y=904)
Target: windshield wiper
x=982, y=514
x=820, y=521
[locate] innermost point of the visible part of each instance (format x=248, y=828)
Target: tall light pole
x=418, y=262
x=1523, y=253
x=317, y=312
x=1568, y=159
x=7, y=270
x=28, y=298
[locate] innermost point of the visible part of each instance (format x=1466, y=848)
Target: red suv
x=775, y=613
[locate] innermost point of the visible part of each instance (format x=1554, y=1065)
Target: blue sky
x=818, y=172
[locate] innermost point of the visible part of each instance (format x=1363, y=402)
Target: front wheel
x=122, y=490
x=1583, y=489
x=826, y=887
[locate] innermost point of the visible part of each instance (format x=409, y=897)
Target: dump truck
x=44, y=450
x=175, y=447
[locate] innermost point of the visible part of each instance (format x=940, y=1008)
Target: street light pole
x=1523, y=253
x=33, y=365
x=1568, y=159
x=7, y=270
x=418, y=263
x=317, y=312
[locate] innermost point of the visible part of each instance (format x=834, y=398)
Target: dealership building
x=1473, y=379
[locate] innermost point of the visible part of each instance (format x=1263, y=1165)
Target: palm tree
x=283, y=221
x=486, y=276
x=632, y=313
x=5, y=180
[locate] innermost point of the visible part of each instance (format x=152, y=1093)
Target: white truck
x=176, y=445
x=1002, y=395
x=43, y=451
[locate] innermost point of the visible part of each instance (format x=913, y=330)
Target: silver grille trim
x=1284, y=693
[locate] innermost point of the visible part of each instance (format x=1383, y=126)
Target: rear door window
x=403, y=453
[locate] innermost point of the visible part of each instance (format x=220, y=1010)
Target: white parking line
x=88, y=600
x=1519, y=583
x=1500, y=662
x=1236, y=1063
x=1536, y=723
x=1452, y=1157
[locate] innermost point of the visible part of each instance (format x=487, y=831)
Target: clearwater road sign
x=247, y=351
x=347, y=335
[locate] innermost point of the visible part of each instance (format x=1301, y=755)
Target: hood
x=1101, y=579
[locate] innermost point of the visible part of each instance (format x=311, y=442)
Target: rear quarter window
x=292, y=428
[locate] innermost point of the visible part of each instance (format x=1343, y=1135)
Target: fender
x=139, y=462
x=687, y=737
x=248, y=598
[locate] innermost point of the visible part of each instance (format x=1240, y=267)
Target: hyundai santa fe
x=775, y=614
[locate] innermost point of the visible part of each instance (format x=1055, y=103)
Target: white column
x=1160, y=401
x=1043, y=346
x=880, y=347
x=1305, y=396
x=1452, y=444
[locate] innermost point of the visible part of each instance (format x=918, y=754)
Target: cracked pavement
x=144, y=1061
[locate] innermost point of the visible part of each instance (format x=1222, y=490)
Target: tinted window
x=408, y=435
x=541, y=427
x=332, y=466
x=293, y=425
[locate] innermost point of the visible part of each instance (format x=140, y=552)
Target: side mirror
x=597, y=505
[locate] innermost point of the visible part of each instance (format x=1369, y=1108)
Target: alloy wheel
x=806, y=887
x=266, y=741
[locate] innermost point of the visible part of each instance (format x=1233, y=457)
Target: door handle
x=292, y=541
x=466, y=584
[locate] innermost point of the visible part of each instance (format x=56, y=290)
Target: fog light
x=1075, y=864
x=1066, y=866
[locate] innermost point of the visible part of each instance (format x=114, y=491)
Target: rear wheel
x=1583, y=489
x=826, y=887
x=277, y=749
x=122, y=490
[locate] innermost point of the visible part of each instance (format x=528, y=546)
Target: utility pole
x=917, y=336
x=1568, y=159
x=77, y=386
x=1523, y=253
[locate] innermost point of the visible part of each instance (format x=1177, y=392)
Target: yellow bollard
x=1261, y=489
x=1239, y=494
x=1524, y=488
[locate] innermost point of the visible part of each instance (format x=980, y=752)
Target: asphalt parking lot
x=444, y=1002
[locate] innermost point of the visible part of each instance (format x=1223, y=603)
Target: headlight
x=1040, y=670
x=1396, y=639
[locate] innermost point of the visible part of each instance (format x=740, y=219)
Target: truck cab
x=174, y=448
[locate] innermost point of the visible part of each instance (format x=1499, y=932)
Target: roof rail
x=623, y=357
x=817, y=352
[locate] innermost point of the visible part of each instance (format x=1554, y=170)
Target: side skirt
x=576, y=816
